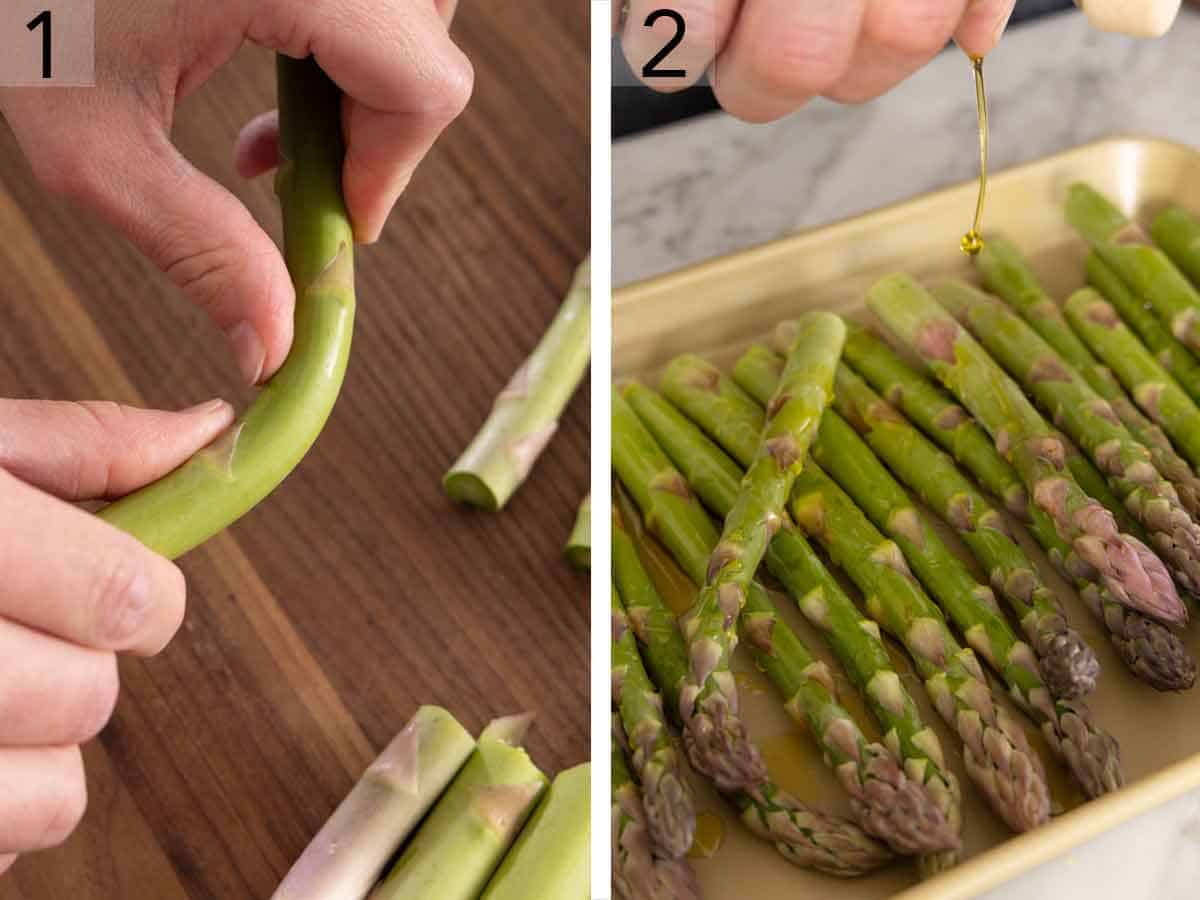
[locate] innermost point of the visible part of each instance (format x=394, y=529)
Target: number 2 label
x=651, y=69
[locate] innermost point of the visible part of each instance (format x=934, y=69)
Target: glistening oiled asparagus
x=1154, y=389
x=803, y=836
x=995, y=749
x=1151, y=651
x=225, y=480
x=636, y=873
x=1088, y=419
x=472, y=826
x=526, y=413
x=1177, y=231
x=1127, y=250
x=1066, y=662
x=351, y=850
x=551, y=860
x=855, y=639
x=714, y=735
x=1090, y=753
x=1006, y=273
x=579, y=545
x=1170, y=353
x=1131, y=571
x=666, y=795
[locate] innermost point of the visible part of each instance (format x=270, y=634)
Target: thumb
x=191, y=227
x=89, y=451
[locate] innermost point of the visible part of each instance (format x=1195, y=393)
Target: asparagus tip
x=898, y=810
x=1068, y=665
x=1155, y=654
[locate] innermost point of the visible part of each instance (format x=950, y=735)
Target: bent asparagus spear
x=1148, y=272
x=1131, y=571
x=352, y=849
x=636, y=873
x=1067, y=663
x=1154, y=389
x=1006, y=273
x=526, y=412
x=996, y=752
x=1152, y=652
x=805, y=837
x=715, y=479
x=579, y=545
x=886, y=803
x=714, y=734
x=225, y=480
x=465, y=837
x=666, y=796
x=1170, y=353
x=551, y=860
x=1090, y=421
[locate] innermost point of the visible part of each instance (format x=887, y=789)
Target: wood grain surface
x=357, y=591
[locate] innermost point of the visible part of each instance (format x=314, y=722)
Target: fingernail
x=1000, y=26
x=248, y=349
x=209, y=408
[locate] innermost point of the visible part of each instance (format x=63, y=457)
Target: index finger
x=405, y=80
x=687, y=41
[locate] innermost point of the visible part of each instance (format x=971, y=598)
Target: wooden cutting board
x=357, y=592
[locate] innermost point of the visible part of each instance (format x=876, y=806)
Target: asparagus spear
x=526, y=412
x=472, y=826
x=1177, y=231
x=884, y=800
x=666, y=796
x=579, y=545
x=1006, y=273
x=714, y=735
x=636, y=873
x=551, y=859
x=1068, y=665
x=1090, y=753
x=995, y=749
x=1152, y=652
x=1154, y=389
x=803, y=836
x=1087, y=418
x=352, y=849
x=1148, y=272
x=1173, y=356
x=715, y=479
x=227, y=479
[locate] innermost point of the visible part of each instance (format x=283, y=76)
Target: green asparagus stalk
x=526, y=412
x=1006, y=273
x=579, y=545
x=1171, y=354
x=803, y=836
x=666, y=796
x=636, y=873
x=352, y=849
x=856, y=641
x=1088, y=419
x=465, y=837
x=995, y=748
x=1152, y=652
x=714, y=735
x=1177, y=231
x=551, y=860
x=227, y=479
x=1090, y=753
x=1067, y=663
x=1154, y=389
x=1131, y=571
x=1127, y=249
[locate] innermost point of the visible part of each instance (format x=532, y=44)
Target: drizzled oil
x=972, y=241
x=710, y=835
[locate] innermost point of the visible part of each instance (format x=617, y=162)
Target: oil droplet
x=710, y=835
x=972, y=241
x=752, y=682
x=793, y=761
x=1065, y=794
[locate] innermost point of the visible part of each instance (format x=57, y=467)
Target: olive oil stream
x=972, y=241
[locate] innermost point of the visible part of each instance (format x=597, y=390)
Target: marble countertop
x=714, y=185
